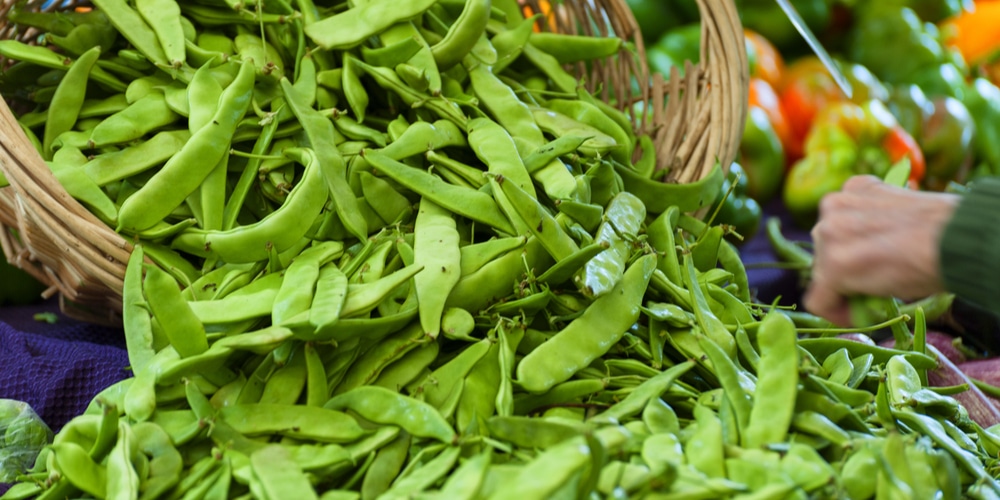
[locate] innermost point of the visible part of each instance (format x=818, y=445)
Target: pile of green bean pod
x=388, y=249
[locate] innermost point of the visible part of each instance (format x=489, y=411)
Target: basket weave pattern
x=696, y=121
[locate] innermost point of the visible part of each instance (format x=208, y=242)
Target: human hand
x=875, y=239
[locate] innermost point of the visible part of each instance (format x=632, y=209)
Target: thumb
x=823, y=301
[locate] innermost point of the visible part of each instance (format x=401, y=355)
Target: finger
x=823, y=301
x=861, y=183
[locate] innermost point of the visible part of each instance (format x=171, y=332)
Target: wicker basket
x=695, y=120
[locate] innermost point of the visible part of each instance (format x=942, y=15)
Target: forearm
x=970, y=247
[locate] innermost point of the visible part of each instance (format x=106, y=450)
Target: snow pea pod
x=85, y=190
x=388, y=463
x=430, y=472
x=421, y=59
x=495, y=280
x=526, y=211
x=297, y=290
x=187, y=169
x=185, y=331
x=475, y=255
x=353, y=26
x=597, y=143
x=548, y=64
x=233, y=13
x=462, y=34
x=515, y=116
x=65, y=107
x=928, y=426
x=659, y=196
x=402, y=372
x=438, y=384
x=164, y=17
x=569, y=49
x=391, y=54
x=495, y=147
x=622, y=221
x=321, y=135
x=114, y=166
x=278, y=476
x=331, y=293
x=637, y=400
x=436, y=247
x=42, y=56
x=384, y=406
x=823, y=347
x=354, y=91
x=710, y=324
x=278, y=230
x=254, y=300
x=590, y=335
x=370, y=364
x=549, y=152
x=143, y=116
x=135, y=317
x=389, y=80
x=561, y=393
x=72, y=461
x=303, y=422
x=470, y=203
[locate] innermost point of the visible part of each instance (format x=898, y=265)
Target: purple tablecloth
x=58, y=368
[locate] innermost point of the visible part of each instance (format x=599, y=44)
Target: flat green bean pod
x=589, y=336
x=279, y=230
x=350, y=28
x=382, y=405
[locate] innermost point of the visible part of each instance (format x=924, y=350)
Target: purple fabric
x=57, y=368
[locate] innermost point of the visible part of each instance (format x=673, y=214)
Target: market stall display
x=509, y=294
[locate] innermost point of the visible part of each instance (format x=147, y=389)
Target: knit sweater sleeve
x=970, y=247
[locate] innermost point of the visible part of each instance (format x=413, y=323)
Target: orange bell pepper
x=768, y=63
x=974, y=33
x=763, y=95
x=900, y=144
x=806, y=88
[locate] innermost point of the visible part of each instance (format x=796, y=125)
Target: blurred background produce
x=816, y=416
x=939, y=105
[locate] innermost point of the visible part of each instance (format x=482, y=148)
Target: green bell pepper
x=831, y=159
x=735, y=208
x=934, y=11
x=946, y=142
x=865, y=86
x=893, y=42
x=910, y=106
x=761, y=156
x=673, y=48
x=982, y=99
x=945, y=79
x=654, y=17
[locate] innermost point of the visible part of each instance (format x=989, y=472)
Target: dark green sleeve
x=970, y=247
